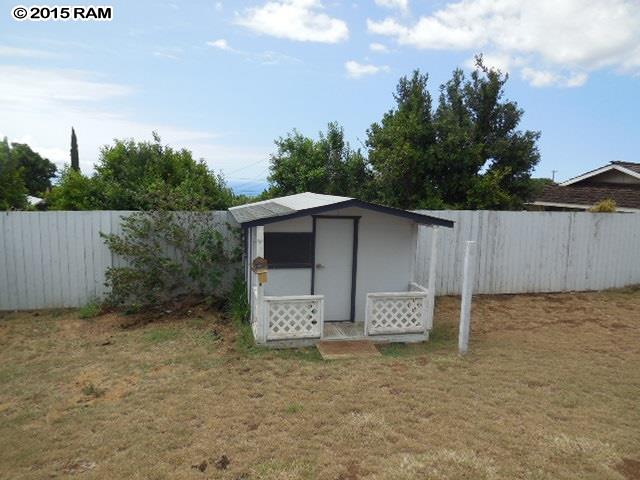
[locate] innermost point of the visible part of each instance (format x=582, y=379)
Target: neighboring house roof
x=629, y=165
x=630, y=168
x=586, y=196
x=307, y=203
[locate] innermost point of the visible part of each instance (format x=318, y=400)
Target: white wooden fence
x=527, y=252
x=57, y=259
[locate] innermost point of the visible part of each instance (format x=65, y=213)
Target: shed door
x=334, y=266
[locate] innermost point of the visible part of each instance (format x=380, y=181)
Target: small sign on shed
x=260, y=266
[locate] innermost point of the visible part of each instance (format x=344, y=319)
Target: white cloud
x=219, y=6
x=9, y=51
x=172, y=53
x=576, y=80
x=268, y=57
x=358, y=70
x=300, y=20
x=35, y=88
x=221, y=44
x=402, y=5
x=161, y=54
x=546, y=78
x=540, y=78
x=40, y=105
x=501, y=62
x=378, y=48
x=559, y=42
x=388, y=26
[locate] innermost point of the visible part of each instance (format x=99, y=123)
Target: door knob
x=319, y=265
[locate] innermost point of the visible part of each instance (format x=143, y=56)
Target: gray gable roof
x=307, y=203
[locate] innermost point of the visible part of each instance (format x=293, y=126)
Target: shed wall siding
x=385, y=254
x=289, y=281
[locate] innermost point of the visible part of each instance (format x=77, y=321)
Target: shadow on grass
x=246, y=345
x=443, y=336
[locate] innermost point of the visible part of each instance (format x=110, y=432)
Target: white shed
x=338, y=268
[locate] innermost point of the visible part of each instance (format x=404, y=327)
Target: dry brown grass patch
x=549, y=390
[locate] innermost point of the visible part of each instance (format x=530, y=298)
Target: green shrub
x=607, y=205
x=90, y=310
x=169, y=254
x=238, y=307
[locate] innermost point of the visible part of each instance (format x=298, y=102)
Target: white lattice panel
x=396, y=313
x=294, y=318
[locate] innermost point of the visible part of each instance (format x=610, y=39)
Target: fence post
x=431, y=286
x=263, y=316
x=467, y=290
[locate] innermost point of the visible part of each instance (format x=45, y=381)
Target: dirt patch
x=352, y=472
x=338, y=350
x=629, y=468
x=78, y=466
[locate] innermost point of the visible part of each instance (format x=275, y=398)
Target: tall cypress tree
x=75, y=159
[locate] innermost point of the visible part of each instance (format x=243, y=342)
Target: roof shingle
x=625, y=197
x=629, y=165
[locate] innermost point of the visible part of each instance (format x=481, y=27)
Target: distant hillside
x=247, y=187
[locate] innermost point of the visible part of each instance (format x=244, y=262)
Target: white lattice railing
x=396, y=312
x=294, y=317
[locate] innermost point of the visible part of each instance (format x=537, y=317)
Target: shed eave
x=416, y=217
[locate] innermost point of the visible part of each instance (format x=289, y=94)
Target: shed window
x=288, y=250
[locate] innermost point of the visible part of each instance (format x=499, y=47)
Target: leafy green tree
x=74, y=191
x=327, y=165
x=401, y=147
x=487, y=192
x=508, y=153
x=13, y=192
x=37, y=171
x=538, y=184
x=457, y=157
x=142, y=176
x=468, y=153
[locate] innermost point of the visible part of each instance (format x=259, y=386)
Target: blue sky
x=225, y=78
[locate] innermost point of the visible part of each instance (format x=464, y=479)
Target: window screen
x=288, y=250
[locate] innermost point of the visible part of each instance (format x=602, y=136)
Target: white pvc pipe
x=467, y=291
x=431, y=285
